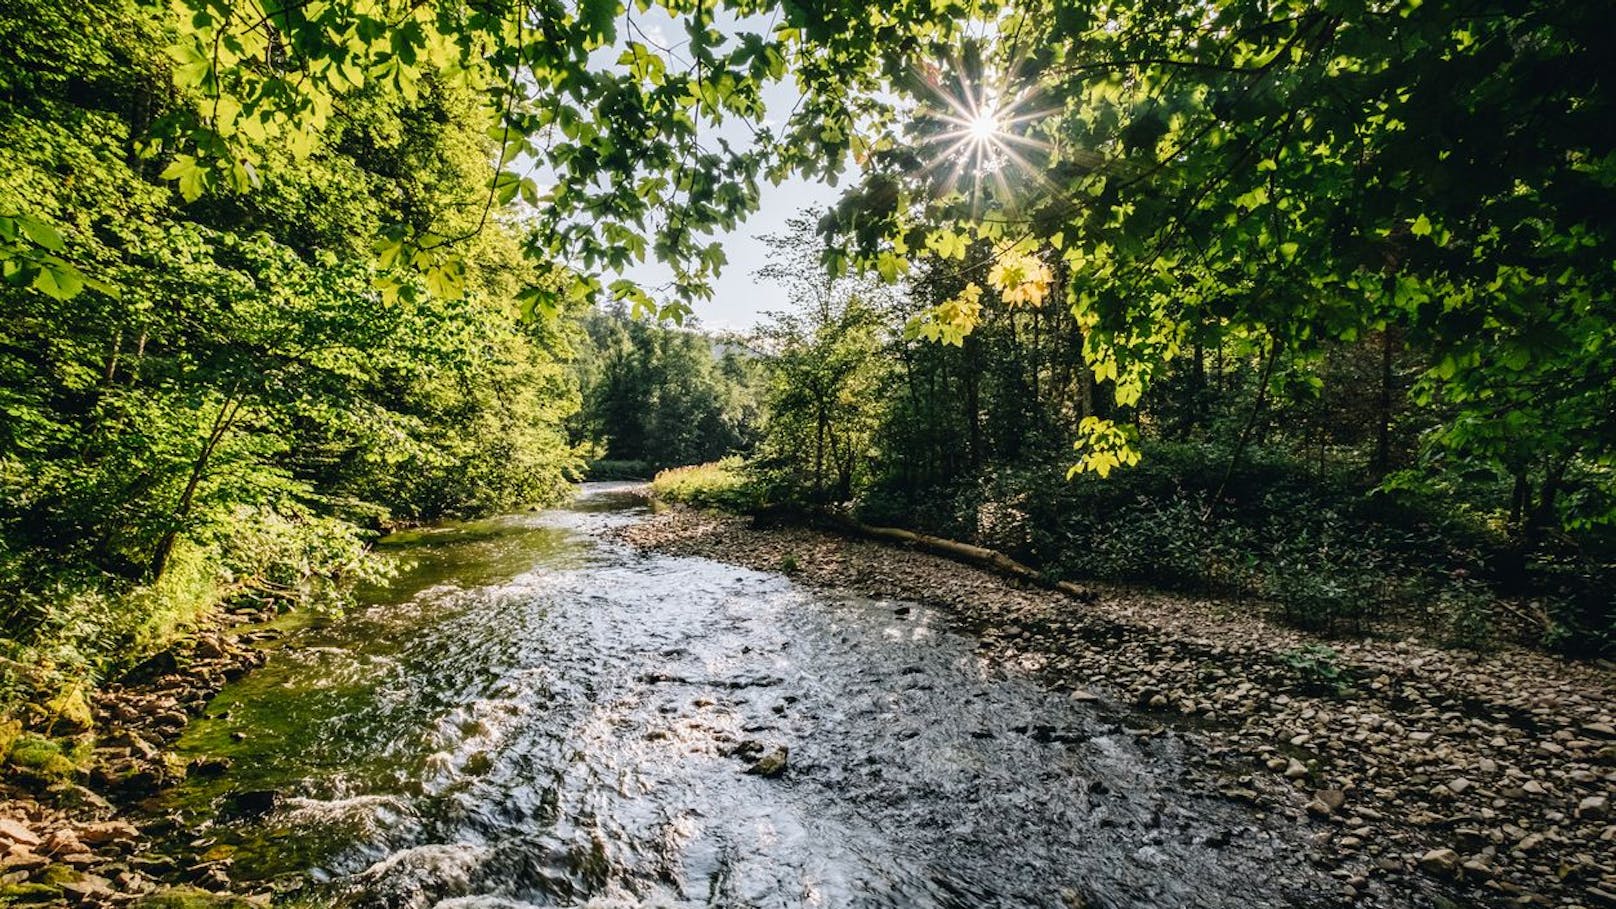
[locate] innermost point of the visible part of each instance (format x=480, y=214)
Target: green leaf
x=40, y=233
x=59, y=280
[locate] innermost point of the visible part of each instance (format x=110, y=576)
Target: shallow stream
x=533, y=714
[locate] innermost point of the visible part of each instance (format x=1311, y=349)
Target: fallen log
x=968, y=553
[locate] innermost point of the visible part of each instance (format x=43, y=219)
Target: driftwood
x=968, y=553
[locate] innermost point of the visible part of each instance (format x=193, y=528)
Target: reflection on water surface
x=533, y=715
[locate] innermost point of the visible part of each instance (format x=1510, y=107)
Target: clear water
x=534, y=715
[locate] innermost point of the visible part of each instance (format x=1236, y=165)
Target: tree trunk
x=165, y=545
x=1545, y=516
x=819, y=452
x=112, y=358
x=973, y=401
x=963, y=552
x=1519, y=497
x=1246, y=431
x=1383, y=416
x=1195, y=414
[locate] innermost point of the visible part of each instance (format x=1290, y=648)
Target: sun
x=978, y=131
x=984, y=126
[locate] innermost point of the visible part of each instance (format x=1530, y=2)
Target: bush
x=65, y=624
x=1327, y=553
x=726, y=484
x=1465, y=611
x=1316, y=670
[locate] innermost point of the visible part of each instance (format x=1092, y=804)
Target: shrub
x=1315, y=669
x=1325, y=552
x=1466, y=614
x=724, y=484
x=67, y=624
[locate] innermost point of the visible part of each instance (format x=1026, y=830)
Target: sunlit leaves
x=28, y=257
x=1304, y=180
x=643, y=64
x=947, y=244
x=1020, y=277
x=191, y=178
x=1103, y=446
x=951, y=321
x=58, y=279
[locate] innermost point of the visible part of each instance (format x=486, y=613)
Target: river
x=534, y=714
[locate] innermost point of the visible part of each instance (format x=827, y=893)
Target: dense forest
x=657, y=395
x=233, y=402
x=1316, y=486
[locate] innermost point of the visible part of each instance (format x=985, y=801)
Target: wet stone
x=772, y=763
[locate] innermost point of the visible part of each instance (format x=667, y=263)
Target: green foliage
x=825, y=373
x=1316, y=669
x=267, y=259
x=608, y=469
x=726, y=484
x=618, y=126
x=663, y=395
x=228, y=393
x=1293, y=179
x=1467, y=611
x=1327, y=555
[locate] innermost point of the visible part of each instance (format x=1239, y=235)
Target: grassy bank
x=728, y=484
x=67, y=628
x=608, y=469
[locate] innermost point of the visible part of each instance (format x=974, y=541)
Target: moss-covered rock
x=28, y=894
x=39, y=756
x=70, y=712
x=192, y=898
x=55, y=876
x=9, y=730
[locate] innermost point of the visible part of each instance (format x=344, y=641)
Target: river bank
x=77, y=823
x=1437, y=774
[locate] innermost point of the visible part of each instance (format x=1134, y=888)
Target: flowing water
x=535, y=715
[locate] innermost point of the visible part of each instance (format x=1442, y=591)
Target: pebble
x=772, y=763
x=1440, y=861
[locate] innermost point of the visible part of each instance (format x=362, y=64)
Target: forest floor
x=1484, y=777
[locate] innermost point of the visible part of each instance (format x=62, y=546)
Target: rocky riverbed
x=76, y=822
x=1432, y=776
